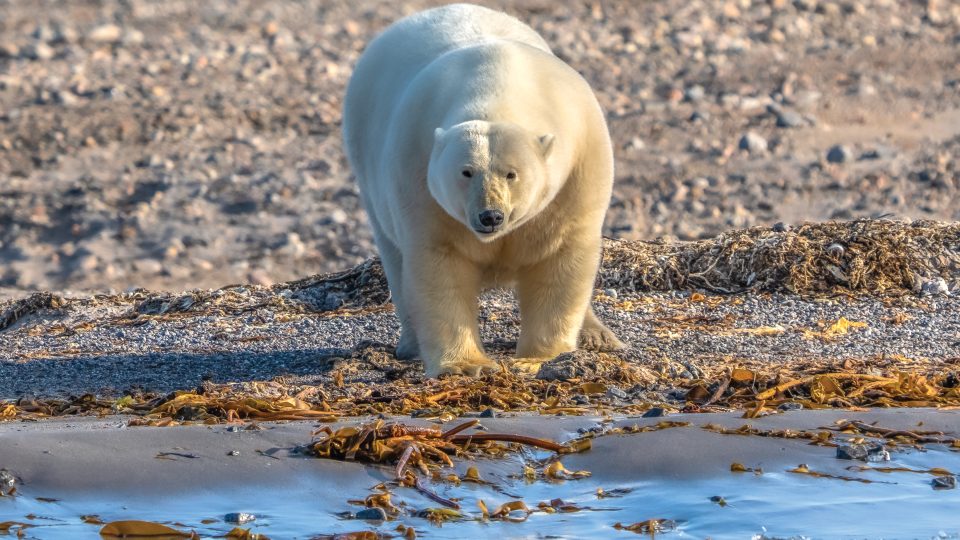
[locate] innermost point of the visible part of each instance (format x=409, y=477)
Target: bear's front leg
x=554, y=297
x=441, y=289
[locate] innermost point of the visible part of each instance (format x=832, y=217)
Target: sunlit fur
x=464, y=86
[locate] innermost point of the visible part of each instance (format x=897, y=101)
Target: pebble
x=944, y=482
x=615, y=392
x=790, y=119
x=699, y=116
x=839, y=154
x=753, y=143
x=655, y=412
x=790, y=406
x=233, y=453
x=863, y=452
x=880, y=152
x=780, y=227
x=611, y=293
x=372, y=513
x=108, y=33
x=38, y=51
x=935, y=287
x=239, y=517
x=7, y=480
x=488, y=413
x=694, y=93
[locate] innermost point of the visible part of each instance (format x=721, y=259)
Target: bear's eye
x=511, y=175
x=467, y=174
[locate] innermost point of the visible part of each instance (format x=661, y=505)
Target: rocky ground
x=178, y=144
x=326, y=331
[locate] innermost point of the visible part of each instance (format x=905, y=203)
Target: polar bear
x=483, y=160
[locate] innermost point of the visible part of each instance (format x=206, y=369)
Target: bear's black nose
x=491, y=218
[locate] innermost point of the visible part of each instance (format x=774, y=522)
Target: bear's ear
x=546, y=144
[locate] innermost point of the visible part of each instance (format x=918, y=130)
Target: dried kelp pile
x=573, y=384
x=426, y=449
x=862, y=256
x=27, y=306
x=865, y=256
x=360, y=286
x=419, y=452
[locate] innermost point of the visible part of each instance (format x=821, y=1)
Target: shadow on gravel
x=160, y=372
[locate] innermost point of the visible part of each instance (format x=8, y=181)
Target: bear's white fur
x=459, y=110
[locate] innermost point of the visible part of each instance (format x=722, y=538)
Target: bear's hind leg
x=392, y=262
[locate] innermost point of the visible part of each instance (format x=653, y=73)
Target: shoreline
x=103, y=464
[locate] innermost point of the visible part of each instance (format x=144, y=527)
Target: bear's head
x=492, y=177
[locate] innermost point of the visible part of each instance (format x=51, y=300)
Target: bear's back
x=392, y=60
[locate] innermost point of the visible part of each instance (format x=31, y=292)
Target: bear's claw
x=599, y=338
x=528, y=365
x=471, y=367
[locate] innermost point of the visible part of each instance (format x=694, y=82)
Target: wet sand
x=91, y=464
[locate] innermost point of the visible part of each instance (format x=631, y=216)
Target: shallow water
x=776, y=504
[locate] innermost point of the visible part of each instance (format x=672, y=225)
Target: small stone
x=9, y=50
x=775, y=35
x=615, y=392
x=753, y=143
x=133, y=37
x=147, y=266
x=863, y=452
x=259, y=276
x=372, y=513
x=880, y=152
x=636, y=143
x=694, y=93
x=239, y=517
x=699, y=116
x=488, y=413
x=945, y=482
x=790, y=119
x=612, y=293
x=233, y=453
x=780, y=227
x=877, y=453
x=233, y=429
x=839, y=154
x=856, y=452
x=38, y=51
x=7, y=481
x=570, y=365
x=865, y=90
x=790, y=406
x=935, y=287
x=654, y=413
x=107, y=33
x=835, y=250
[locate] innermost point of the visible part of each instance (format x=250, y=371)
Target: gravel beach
x=300, y=332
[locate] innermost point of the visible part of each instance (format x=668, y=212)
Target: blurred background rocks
x=180, y=144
